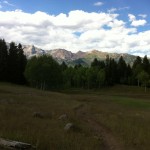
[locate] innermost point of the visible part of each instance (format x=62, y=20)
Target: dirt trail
x=109, y=141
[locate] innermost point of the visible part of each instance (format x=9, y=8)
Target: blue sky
x=106, y=25
x=65, y=6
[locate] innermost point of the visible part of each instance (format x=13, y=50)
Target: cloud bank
x=77, y=30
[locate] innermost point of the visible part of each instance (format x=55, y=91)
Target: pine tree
x=13, y=63
x=146, y=64
x=3, y=60
x=95, y=63
x=122, y=70
x=21, y=64
x=63, y=66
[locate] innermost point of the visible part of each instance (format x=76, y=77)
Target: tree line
x=44, y=72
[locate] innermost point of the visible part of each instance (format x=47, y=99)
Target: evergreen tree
x=122, y=71
x=113, y=73
x=63, y=66
x=107, y=70
x=22, y=61
x=13, y=63
x=137, y=61
x=129, y=74
x=95, y=63
x=146, y=64
x=77, y=66
x=3, y=60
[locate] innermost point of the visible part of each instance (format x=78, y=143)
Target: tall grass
x=17, y=105
x=121, y=110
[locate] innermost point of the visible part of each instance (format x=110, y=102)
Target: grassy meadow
x=111, y=118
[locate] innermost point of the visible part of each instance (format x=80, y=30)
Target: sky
x=121, y=26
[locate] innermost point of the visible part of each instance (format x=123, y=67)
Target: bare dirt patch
x=110, y=142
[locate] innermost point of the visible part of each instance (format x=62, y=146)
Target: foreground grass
x=122, y=111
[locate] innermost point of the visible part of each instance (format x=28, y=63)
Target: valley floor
x=115, y=118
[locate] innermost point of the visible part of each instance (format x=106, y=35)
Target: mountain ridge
x=80, y=57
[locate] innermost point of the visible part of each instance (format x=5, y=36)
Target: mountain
x=84, y=58
x=31, y=50
x=61, y=54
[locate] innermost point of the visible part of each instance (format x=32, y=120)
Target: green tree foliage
x=140, y=65
x=68, y=77
x=137, y=66
x=122, y=71
x=92, y=77
x=95, y=63
x=63, y=66
x=111, y=71
x=146, y=64
x=79, y=76
x=129, y=75
x=21, y=64
x=3, y=60
x=103, y=73
x=43, y=72
x=101, y=78
x=12, y=63
x=143, y=77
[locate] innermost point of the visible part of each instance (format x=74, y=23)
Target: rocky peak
x=61, y=54
x=31, y=50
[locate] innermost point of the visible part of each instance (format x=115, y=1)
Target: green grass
x=122, y=111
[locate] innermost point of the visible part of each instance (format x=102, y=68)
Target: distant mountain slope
x=84, y=58
x=31, y=50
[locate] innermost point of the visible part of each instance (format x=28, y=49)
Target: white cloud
x=135, y=22
x=102, y=31
x=7, y=3
x=98, y=4
x=112, y=10
x=123, y=8
x=142, y=15
x=131, y=17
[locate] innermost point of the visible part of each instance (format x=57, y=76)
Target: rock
x=38, y=115
x=68, y=126
x=14, y=144
x=63, y=117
